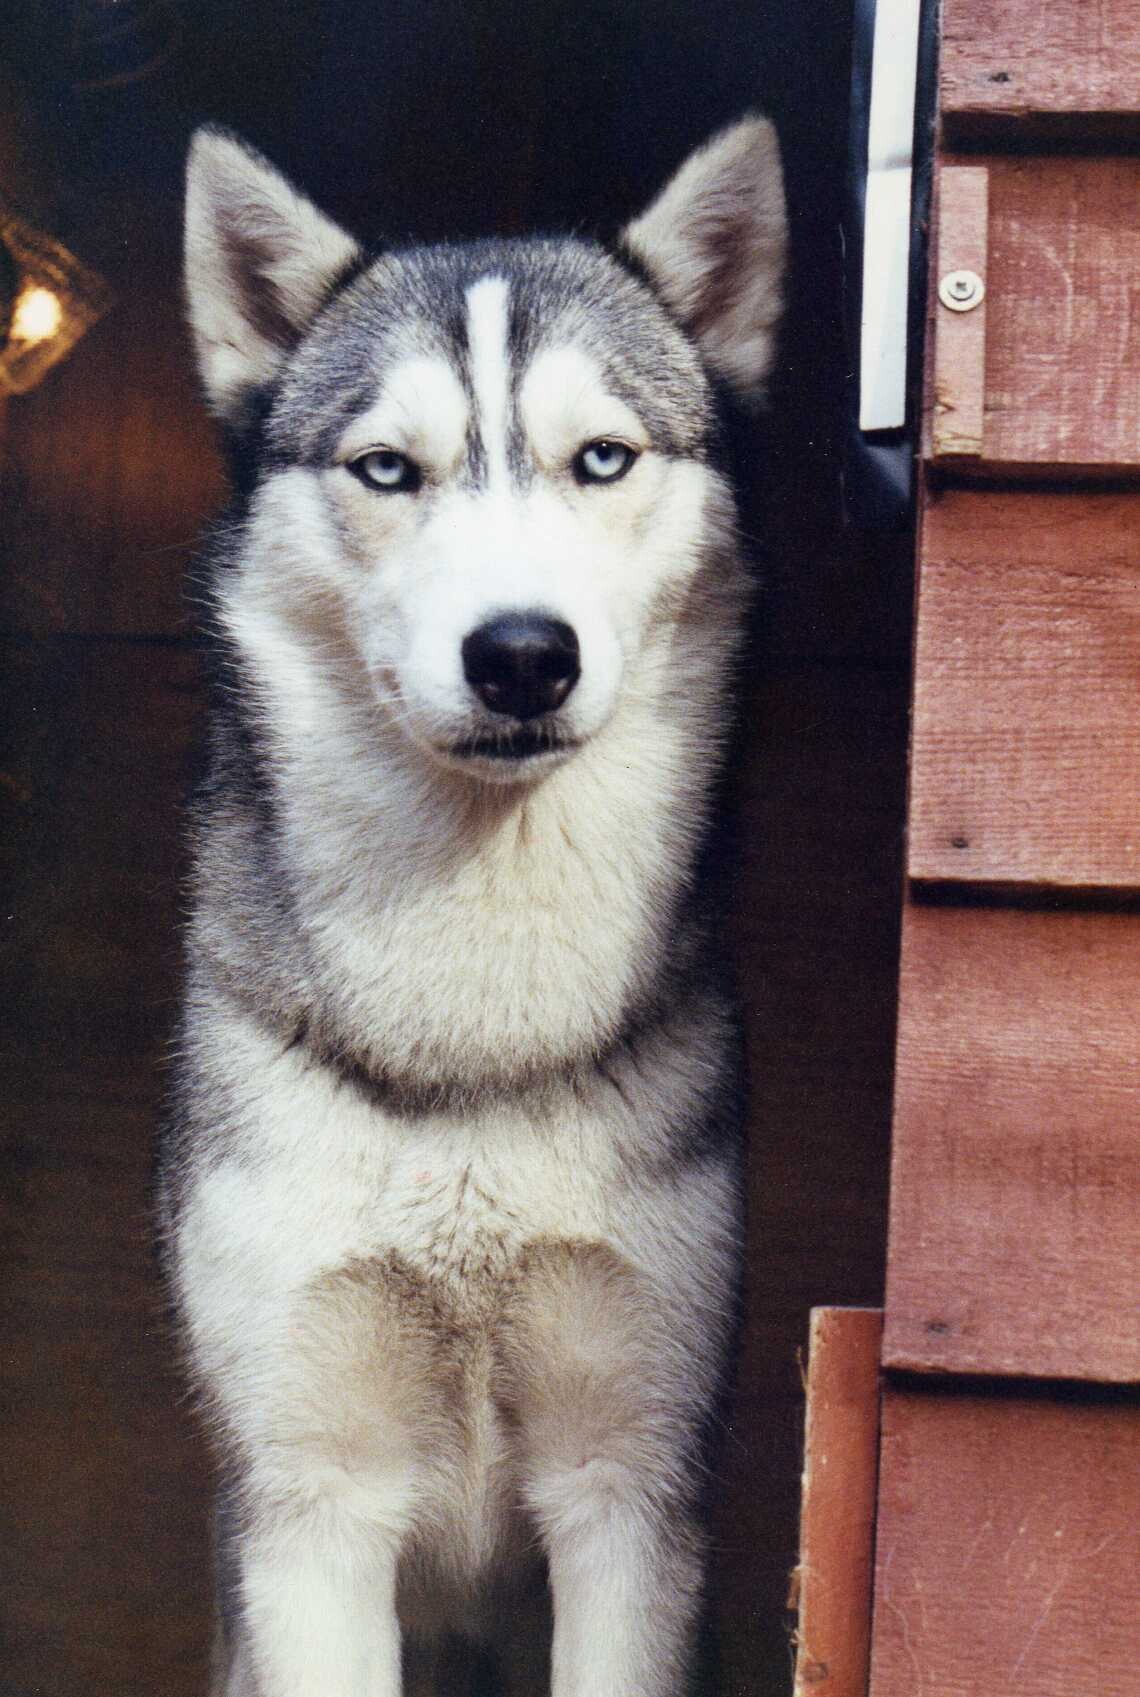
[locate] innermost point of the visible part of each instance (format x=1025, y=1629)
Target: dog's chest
x=460, y=1210
x=338, y=1179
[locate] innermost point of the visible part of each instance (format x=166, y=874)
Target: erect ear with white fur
x=260, y=259
x=714, y=243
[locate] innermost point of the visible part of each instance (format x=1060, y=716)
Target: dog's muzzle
x=522, y=665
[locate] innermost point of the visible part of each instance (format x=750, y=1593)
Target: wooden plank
x=1025, y=750
x=1070, y=69
x=1008, y=1545
x=1015, y=1228
x=1062, y=338
x=958, y=417
x=1063, y=355
x=837, y=1516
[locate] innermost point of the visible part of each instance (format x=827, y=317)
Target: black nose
x=522, y=664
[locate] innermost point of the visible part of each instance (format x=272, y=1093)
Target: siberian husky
x=451, y=1189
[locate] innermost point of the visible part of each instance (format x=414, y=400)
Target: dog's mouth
x=525, y=742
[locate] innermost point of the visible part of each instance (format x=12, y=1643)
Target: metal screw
x=961, y=291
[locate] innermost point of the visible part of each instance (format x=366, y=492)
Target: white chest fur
x=319, y=1176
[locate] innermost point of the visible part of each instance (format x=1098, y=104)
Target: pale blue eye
x=385, y=469
x=603, y=461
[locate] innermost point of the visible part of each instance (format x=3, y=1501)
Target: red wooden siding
x=1008, y=1547
x=1062, y=341
x=1025, y=752
x=1015, y=1235
x=1008, y=1511
x=1060, y=67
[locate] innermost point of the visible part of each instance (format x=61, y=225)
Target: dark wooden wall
x=423, y=120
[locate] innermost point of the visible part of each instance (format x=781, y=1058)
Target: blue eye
x=603, y=461
x=388, y=471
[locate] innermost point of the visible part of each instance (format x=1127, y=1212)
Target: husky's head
x=492, y=468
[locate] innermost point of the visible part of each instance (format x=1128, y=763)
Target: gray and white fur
x=451, y=1187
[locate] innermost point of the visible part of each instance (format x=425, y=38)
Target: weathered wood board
x=1075, y=70
x=1014, y=1233
x=1025, y=750
x=837, y=1516
x=1008, y=1517
x=1062, y=340
x=957, y=425
x=1008, y=1546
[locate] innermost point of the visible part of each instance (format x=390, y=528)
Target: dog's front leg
x=626, y=1588
x=606, y=1405
x=316, y=1612
x=332, y=1411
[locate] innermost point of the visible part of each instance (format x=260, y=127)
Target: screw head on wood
x=961, y=291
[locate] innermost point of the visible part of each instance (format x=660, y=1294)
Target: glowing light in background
x=48, y=300
x=36, y=315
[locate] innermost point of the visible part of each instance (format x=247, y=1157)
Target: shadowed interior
x=428, y=121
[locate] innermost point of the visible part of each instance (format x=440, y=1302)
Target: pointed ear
x=259, y=261
x=714, y=243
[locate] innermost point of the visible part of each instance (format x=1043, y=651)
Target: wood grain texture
x=1063, y=350
x=1008, y=1546
x=1025, y=749
x=1015, y=1227
x=958, y=419
x=1062, y=335
x=837, y=1514
x=1074, y=69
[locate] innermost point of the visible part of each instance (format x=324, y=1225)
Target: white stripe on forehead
x=487, y=331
